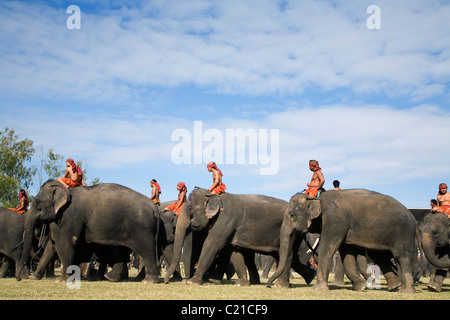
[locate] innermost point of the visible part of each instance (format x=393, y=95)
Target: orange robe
x=173, y=206
x=18, y=211
x=445, y=209
x=71, y=183
x=312, y=192
x=219, y=189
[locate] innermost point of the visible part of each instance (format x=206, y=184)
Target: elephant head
x=435, y=233
x=46, y=207
x=297, y=221
x=200, y=208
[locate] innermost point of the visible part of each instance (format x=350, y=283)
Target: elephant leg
x=269, y=261
x=405, y=264
x=253, y=273
x=6, y=265
x=348, y=254
x=44, y=262
x=119, y=271
x=438, y=279
x=167, y=252
x=389, y=270
x=217, y=270
x=213, y=243
x=327, y=248
x=66, y=253
x=238, y=261
x=145, y=249
x=338, y=270
x=101, y=271
x=361, y=263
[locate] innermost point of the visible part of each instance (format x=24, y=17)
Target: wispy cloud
x=365, y=145
x=370, y=105
x=243, y=47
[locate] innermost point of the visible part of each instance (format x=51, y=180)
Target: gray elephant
x=192, y=246
x=356, y=218
x=11, y=230
x=115, y=256
x=106, y=214
x=166, y=237
x=249, y=222
x=435, y=237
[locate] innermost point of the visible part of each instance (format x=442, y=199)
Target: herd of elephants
x=112, y=221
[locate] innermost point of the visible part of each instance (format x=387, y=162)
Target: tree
x=47, y=168
x=93, y=181
x=14, y=172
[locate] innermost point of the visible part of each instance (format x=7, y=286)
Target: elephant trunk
x=430, y=252
x=181, y=228
x=28, y=234
x=285, y=252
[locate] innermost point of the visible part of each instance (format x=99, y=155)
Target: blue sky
x=372, y=105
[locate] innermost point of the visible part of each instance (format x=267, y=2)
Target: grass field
x=49, y=289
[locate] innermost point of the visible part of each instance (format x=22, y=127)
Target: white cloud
x=366, y=145
x=245, y=47
x=135, y=55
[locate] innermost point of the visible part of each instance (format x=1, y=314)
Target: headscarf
x=157, y=185
x=316, y=164
x=442, y=186
x=75, y=167
x=213, y=165
x=182, y=186
x=22, y=193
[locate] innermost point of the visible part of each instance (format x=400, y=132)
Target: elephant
x=11, y=231
x=166, y=237
x=105, y=214
x=191, y=251
x=115, y=256
x=435, y=238
x=352, y=219
x=250, y=222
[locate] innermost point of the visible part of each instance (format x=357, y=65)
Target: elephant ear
x=314, y=210
x=60, y=198
x=213, y=205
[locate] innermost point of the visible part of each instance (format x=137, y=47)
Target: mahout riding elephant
x=250, y=222
x=435, y=237
x=356, y=218
x=105, y=214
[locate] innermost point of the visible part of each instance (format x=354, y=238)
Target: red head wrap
x=213, y=165
x=316, y=164
x=442, y=186
x=22, y=193
x=182, y=186
x=75, y=167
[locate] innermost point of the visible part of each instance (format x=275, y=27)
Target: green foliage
x=52, y=165
x=16, y=171
x=15, y=174
x=94, y=181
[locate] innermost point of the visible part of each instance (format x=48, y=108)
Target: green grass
x=49, y=289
